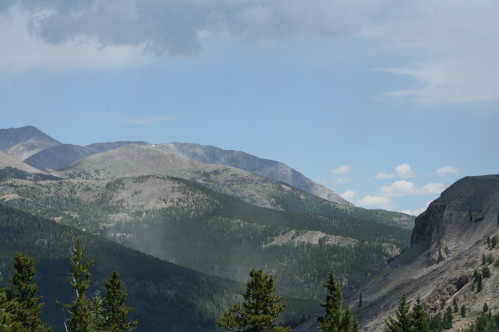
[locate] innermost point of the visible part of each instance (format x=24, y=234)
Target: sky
x=386, y=102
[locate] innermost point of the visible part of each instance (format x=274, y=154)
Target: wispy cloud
x=149, y=119
x=442, y=171
x=401, y=171
x=343, y=169
x=375, y=201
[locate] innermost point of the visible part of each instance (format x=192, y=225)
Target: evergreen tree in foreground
x=336, y=319
x=6, y=323
x=81, y=309
x=260, y=308
x=415, y=320
x=22, y=306
x=420, y=321
x=115, y=311
x=402, y=320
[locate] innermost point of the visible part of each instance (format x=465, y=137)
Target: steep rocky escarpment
x=447, y=244
x=464, y=214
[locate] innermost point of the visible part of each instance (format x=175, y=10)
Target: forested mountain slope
x=186, y=223
x=166, y=296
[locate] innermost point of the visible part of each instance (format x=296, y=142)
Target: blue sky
x=386, y=102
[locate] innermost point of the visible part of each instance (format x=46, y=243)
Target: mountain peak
x=265, y=167
x=25, y=141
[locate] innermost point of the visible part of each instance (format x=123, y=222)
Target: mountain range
x=31, y=145
x=212, y=214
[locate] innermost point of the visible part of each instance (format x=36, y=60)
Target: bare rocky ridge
x=63, y=155
x=264, y=167
x=137, y=160
x=24, y=142
x=7, y=160
x=41, y=151
x=447, y=244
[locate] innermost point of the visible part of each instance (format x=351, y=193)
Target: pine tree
x=420, y=321
x=479, y=280
x=448, y=318
x=336, y=319
x=486, y=272
x=495, y=240
x=402, y=323
x=360, y=300
x=485, y=307
x=454, y=305
x=24, y=308
x=260, y=308
x=6, y=323
x=114, y=309
x=81, y=309
x=463, y=311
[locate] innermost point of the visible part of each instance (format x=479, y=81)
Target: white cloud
x=343, y=169
x=442, y=171
x=417, y=212
x=398, y=188
x=340, y=181
x=349, y=195
x=405, y=188
x=401, y=171
x=454, y=48
x=375, y=201
x=432, y=188
x=149, y=119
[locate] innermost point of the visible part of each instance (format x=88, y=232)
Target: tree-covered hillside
x=165, y=296
x=185, y=223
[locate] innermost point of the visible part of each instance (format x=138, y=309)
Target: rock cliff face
x=447, y=244
x=464, y=214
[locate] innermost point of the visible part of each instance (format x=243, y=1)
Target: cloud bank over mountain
x=450, y=46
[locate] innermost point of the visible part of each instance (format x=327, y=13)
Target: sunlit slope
x=136, y=160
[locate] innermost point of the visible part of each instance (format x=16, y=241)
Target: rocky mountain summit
x=447, y=244
x=24, y=142
x=268, y=168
